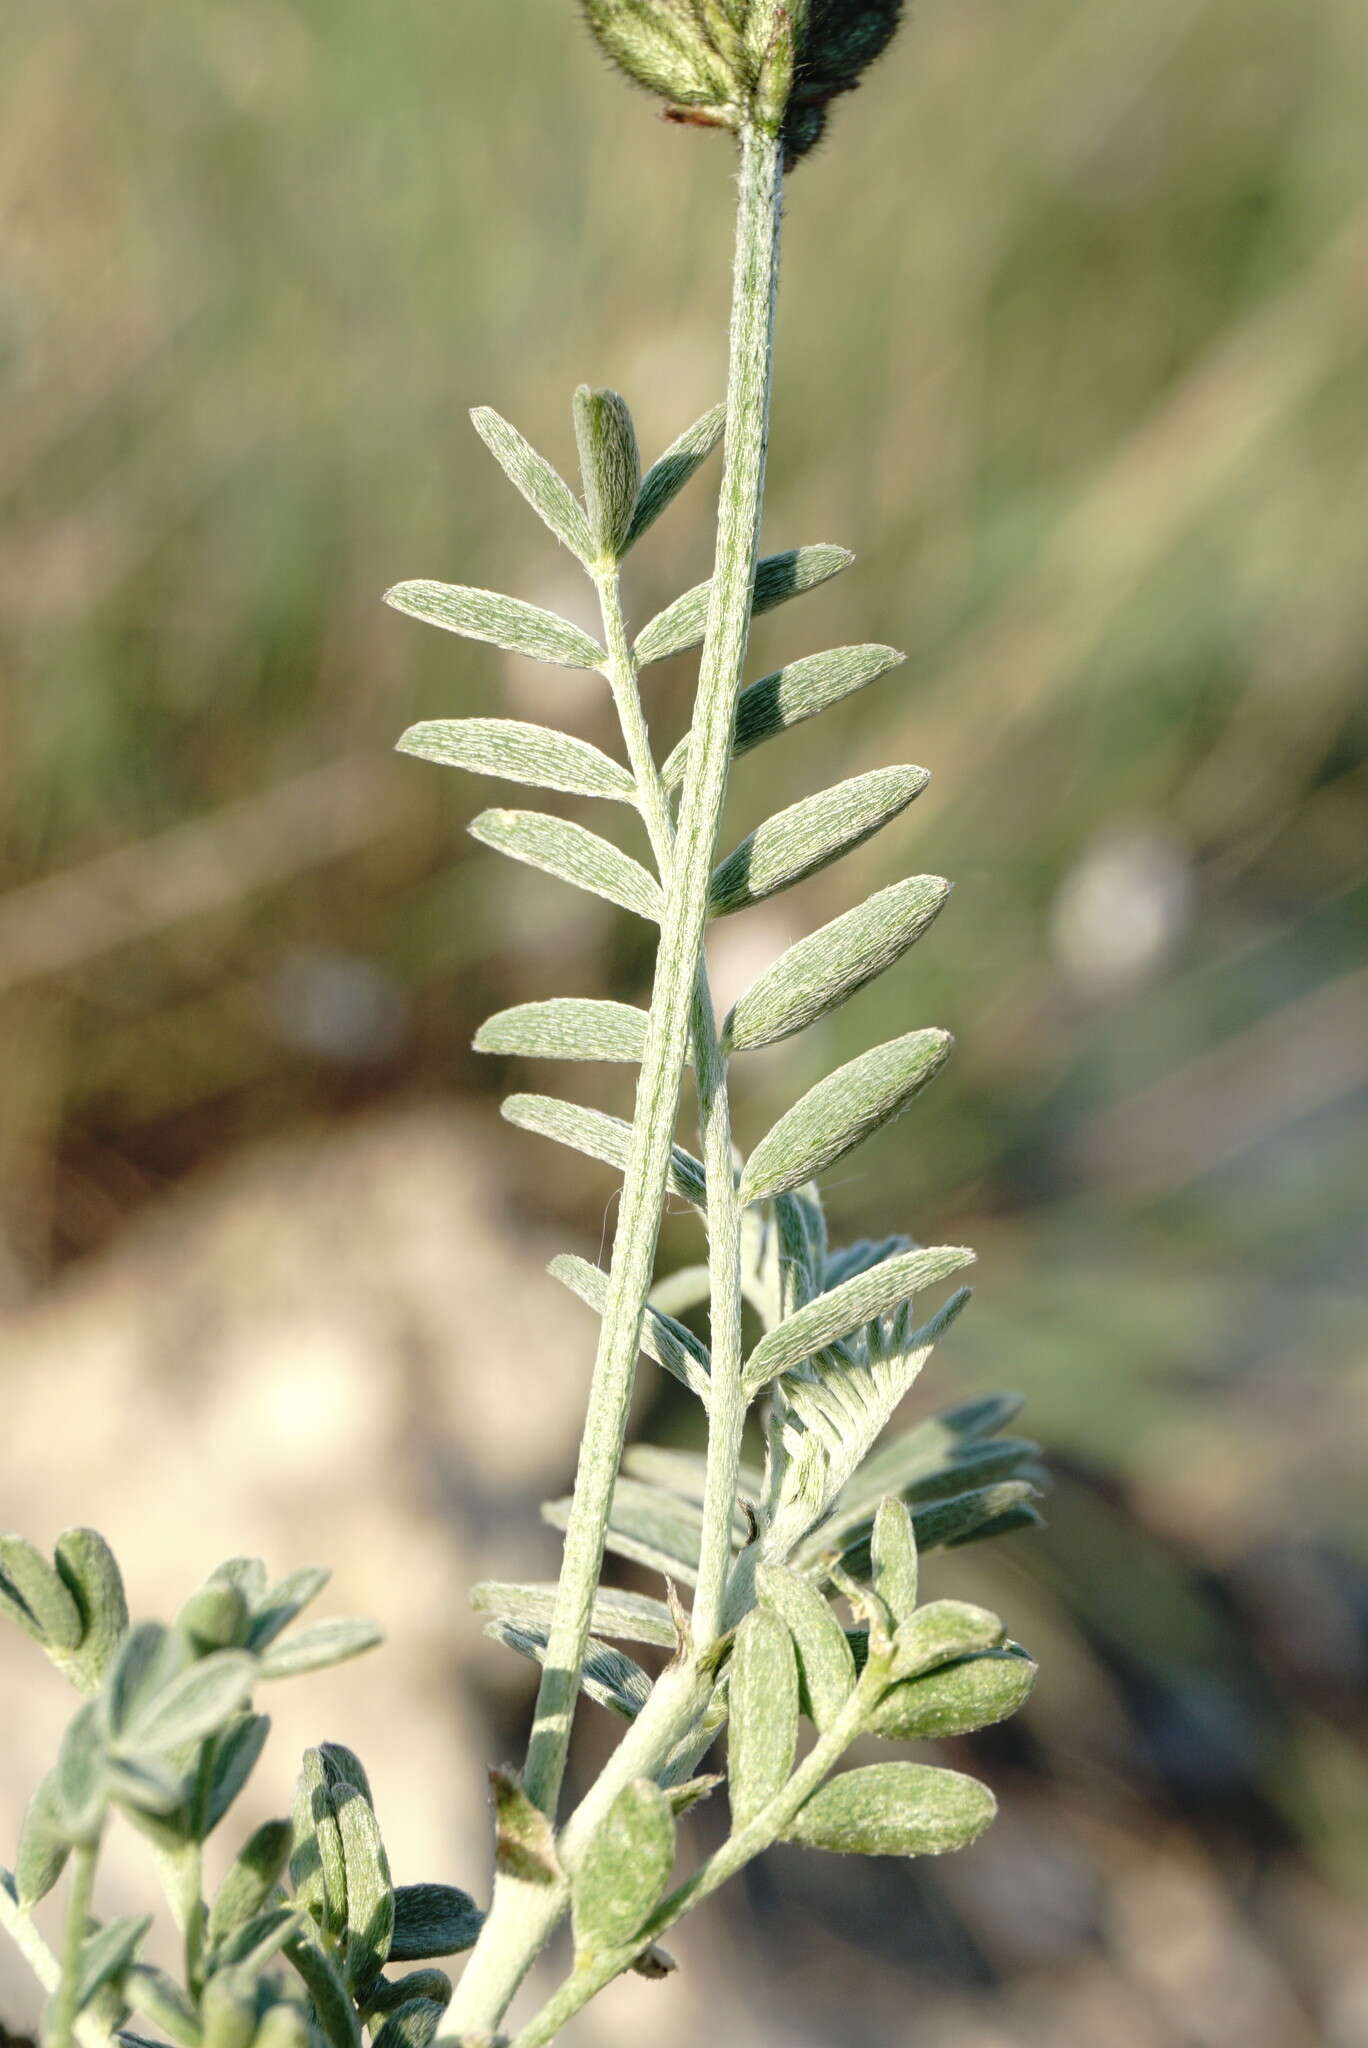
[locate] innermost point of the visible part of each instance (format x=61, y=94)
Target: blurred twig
x=57, y=923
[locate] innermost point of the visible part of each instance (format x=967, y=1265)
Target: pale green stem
x=182, y=1875
x=727, y=1404
x=522, y=1917
x=61, y=2026
x=44, y=1964
x=758, y=1834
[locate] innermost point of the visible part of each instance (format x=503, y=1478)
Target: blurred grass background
x=1074, y=354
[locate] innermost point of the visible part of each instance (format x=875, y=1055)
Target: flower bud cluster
x=721, y=63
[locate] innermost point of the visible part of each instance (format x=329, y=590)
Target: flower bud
x=719, y=63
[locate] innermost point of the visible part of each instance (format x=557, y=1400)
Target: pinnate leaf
x=957, y=1699
x=610, y=467
x=252, y=1878
x=432, y=1920
x=90, y=1572
x=78, y=1780
x=106, y=1955
x=314, y=1649
x=895, y=1810
x=682, y=624
x=332, y=2001
x=624, y=1869
x=832, y=963
x=574, y=855
x=919, y=1453
x=649, y=1526
x=36, y=1597
x=797, y=842
x=507, y=622
x=44, y=1845
x=317, y=1865
x=666, y=478
x=279, y=1607
x=826, y=1667
x=609, y=1677
x=630, y=1617
x=893, y=1552
x=567, y=1028
x=762, y=1693
x=236, y=1751
x=945, y=1524
x=534, y=754
x=388, y=1994
x=788, y=696
x=151, y=1991
x=411, y=2025
x=600, y=1136
x=668, y=1343
x=544, y=489
x=370, y=1892
x=841, y=1111
x=834, y=1315
x=940, y=1632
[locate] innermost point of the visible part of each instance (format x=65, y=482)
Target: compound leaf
x=826, y=1667
x=332, y=2001
x=895, y=1810
x=762, y=1692
x=506, y=622
x=893, y=1553
x=829, y=1317
x=958, y=1699
x=841, y=1111
x=573, y=855
x=649, y=1526
x=610, y=467
x=544, y=489
x=624, y=1869
x=251, y=1880
x=44, y=1845
x=432, y=1920
x=106, y=1955
x=600, y=1136
x=664, y=1340
x=535, y=754
x=36, y=1597
x=314, y=1649
x=89, y=1570
x=832, y=963
x=809, y=835
x=788, y=696
x=682, y=624
x=411, y=2025
x=567, y=1028
x=284, y=1601
x=609, y=1677
x=630, y=1617
x=665, y=479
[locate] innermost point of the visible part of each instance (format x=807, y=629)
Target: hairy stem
x=519, y=1924
x=759, y=1834
x=61, y=2026
x=44, y=1964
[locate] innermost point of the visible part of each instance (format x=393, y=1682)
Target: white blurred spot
x=1121, y=909
x=337, y=1006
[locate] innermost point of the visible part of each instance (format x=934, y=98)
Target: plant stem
x=61, y=2025
x=759, y=1834
x=44, y=1964
x=518, y=1923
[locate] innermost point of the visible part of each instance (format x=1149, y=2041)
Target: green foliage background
x=1074, y=355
